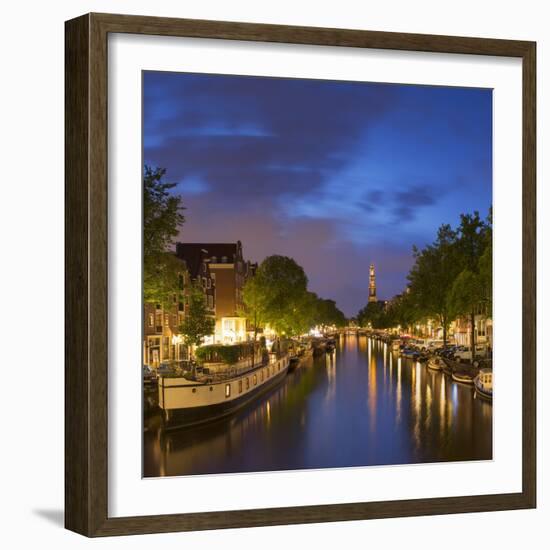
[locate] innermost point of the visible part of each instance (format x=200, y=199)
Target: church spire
x=372, y=284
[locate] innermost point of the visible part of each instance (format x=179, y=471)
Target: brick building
x=162, y=341
x=229, y=271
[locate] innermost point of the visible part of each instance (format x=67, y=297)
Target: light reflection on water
x=361, y=405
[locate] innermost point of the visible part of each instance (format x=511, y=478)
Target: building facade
x=229, y=271
x=483, y=329
x=162, y=340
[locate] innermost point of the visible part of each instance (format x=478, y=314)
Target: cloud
x=246, y=133
x=334, y=174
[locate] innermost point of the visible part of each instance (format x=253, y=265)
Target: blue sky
x=334, y=174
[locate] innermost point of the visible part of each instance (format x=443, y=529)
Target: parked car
x=464, y=353
x=447, y=351
x=149, y=375
x=435, y=344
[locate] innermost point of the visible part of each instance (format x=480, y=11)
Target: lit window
x=227, y=390
x=151, y=320
x=166, y=319
x=255, y=380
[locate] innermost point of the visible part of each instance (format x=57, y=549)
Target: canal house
x=229, y=271
x=162, y=341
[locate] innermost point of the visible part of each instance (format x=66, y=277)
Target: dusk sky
x=334, y=174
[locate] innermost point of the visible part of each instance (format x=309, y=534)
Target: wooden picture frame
x=86, y=281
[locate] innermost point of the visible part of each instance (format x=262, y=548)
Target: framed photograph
x=300, y=275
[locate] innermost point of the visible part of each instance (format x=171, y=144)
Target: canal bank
x=360, y=405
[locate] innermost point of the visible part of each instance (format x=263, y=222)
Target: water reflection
x=361, y=405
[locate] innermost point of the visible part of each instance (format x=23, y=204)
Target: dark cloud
x=243, y=133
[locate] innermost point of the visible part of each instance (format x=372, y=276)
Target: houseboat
x=220, y=387
x=483, y=383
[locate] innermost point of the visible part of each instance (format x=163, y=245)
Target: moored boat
x=435, y=363
x=461, y=372
x=219, y=389
x=483, y=383
x=293, y=363
x=463, y=376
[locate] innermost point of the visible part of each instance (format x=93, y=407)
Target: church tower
x=372, y=284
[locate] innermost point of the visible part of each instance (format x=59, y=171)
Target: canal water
x=360, y=406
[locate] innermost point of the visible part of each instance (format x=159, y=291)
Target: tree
x=197, y=322
x=301, y=315
x=402, y=311
x=370, y=315
x=254, y=304
x=161, y=280
x=474, y=283
x=162, y=218
x=280, y=287
x=327, y=314
x=432, y=277
x=277, y=296
x=486, y=276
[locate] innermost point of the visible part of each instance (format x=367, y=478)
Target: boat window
x=261, y=376
x=255, y=380
x=247, y=383
x=227, y=390
x=240, y=386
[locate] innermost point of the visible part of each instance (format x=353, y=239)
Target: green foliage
x=371, y=315
x=197, y=322
x=301, y=316
x=467, y=292
x=327, y=314
x=401, y=311
x=486, y=276
x=254, y=303
x=161, y=280
x=473, y=286
x=277, y=296
x=162, y=215
x=229, y=354
x=450, y=277
x=432, y=277
x=279, y=284
x=162, y=218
